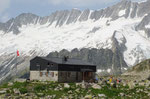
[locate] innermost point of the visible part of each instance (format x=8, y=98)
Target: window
x=38, y=66
x=52, y=65
x=49, y=74
x=46, y=73
x=68, y=74
x=41, y=74
x=48, y=65
x=56, y=74
x=52, y=74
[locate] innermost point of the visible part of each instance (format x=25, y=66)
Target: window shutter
x=41, y=74
x=52, y=74
x=46, y=73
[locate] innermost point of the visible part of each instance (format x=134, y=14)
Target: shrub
x=17, y=85
x=23, y=90
x=39, y=87
x=8, y=91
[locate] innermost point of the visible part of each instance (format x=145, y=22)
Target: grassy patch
x=19, y=84
x=23, y=90
x=4, y=85
x=57, y=90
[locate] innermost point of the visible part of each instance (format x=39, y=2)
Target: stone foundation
x=44, y=75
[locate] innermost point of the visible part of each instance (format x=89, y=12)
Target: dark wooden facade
x=38, y=63
x=80, y=70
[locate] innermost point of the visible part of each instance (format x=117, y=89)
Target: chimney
x=65, y=58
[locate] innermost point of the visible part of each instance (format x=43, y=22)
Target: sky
x=12, y=8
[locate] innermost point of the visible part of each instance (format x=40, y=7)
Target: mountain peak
x=112, y=31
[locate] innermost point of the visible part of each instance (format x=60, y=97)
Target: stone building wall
x=60, y=76
x=44, y=75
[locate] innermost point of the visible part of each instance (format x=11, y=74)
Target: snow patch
x=140, y=1
x=122, y=12
x=147, y=26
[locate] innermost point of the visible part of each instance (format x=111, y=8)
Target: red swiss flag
x=17, y=53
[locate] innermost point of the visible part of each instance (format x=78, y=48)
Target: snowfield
x=122, y=28
x=45, y=38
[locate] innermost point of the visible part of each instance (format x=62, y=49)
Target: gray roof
x=70, y=61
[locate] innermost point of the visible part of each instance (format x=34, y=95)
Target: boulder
x=10, y=83
x=70, y=92
x=16, y=91
x=2, y=91
x=88, y=97
x=131, y=85
x=66, y=85
x=96, y=86
x=101, y=95
x=122, y=94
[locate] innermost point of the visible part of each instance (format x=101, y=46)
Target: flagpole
x=16, y=63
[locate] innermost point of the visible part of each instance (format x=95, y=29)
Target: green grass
x=53, y=88
x=23, y=90
x=4, y=85
x=19, y=84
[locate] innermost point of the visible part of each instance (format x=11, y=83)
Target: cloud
x=4, y=4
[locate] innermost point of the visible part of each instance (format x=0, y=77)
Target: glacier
x=124, y=25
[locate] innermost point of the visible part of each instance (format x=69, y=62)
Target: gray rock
x=16, y=91
x=10, y=83
x=88, y=97
x=84, y=16
x=97, y=14
x=94, y=29
x=142, y=25
x=101, y=95
x=66, y=85
x=122, y=94
x=2, y=91
x=73, y=16
x=96, y=86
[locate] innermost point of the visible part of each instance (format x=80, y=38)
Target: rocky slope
x=142, y=69
x=122, y=30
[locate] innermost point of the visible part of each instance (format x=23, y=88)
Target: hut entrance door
x=87, y=76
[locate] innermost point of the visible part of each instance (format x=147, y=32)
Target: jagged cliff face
x=105, y=59
x=121, y=30
x=145, y=26
x=125, y=9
